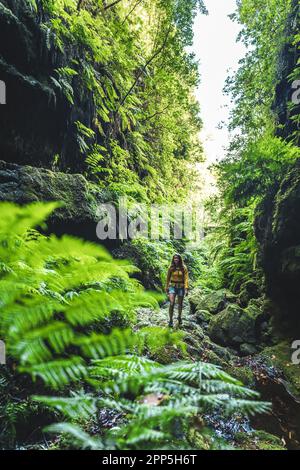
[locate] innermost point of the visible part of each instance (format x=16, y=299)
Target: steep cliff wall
x=277, y=224
x=38, y=121
x=287, y=64
x=278, y=232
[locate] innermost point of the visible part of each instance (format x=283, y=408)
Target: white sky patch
x=216, y=48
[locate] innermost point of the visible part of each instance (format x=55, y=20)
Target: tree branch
x=155, y=114
x=132, y=10
x=111, y=5
x=143, y=69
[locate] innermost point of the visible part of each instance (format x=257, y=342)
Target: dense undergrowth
x=67, y=308
x=61, y=303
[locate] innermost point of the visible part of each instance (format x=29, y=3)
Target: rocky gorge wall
x=37, y=121
x=287, y=86
x=277, y=224
x=80, y=199
x=277, y=229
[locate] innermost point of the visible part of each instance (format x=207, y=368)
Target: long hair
x=180, y=266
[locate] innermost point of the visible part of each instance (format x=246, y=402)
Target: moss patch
x=258, y=440
x=280, y=356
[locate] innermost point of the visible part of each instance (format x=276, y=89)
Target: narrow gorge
x=100, y=106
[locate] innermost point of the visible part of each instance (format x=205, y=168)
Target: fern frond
x=80, y=439
x=58, y=373
x=73, y=407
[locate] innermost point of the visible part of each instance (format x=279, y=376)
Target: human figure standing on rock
x=177, y=285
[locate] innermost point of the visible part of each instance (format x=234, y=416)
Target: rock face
x=78, y=216
x=277, y=229
x=277, y=224
x=287, y=63
x=37, y=121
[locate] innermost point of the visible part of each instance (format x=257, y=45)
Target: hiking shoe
x=179, y=323
x=171, y=324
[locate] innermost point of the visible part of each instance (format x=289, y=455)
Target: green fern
x=57, y=299
x=153, y=397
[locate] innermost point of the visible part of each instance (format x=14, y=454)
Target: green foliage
x=51, y=287
x=256, y=158
x=58, y=301
x=152, y=257
x=252, y=89
x=153, y=400
x=131, y=60
x=252, y=174
x=231, y=248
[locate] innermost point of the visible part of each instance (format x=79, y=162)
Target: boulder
x=249, y=290
x=235, y=326
x=77, y=216
x=280, y=356
x=203, y=317
x=247, y=349
x=212, y=302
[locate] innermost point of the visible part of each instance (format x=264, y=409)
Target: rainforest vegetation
x=101, y=105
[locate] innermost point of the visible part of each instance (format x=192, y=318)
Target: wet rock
x=247, y=349
x=226, y=354
x=280, y=356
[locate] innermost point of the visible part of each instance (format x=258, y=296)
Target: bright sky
x=216, y=48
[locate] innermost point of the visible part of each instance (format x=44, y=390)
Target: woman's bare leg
x=180, y=303
x=171, y=308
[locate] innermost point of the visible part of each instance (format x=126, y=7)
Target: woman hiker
x=177, y=285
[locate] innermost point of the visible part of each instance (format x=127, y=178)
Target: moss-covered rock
x=234, y=326
x=280, y=356
x=249, y=290
x=203, y=318
x=242, y=373
x=258, y=440
x=212, y=302
x=80, y=199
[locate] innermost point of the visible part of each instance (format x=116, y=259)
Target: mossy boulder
x=203, y=317
x=212, y=302
x=80, y=199
x=249, y=290
x=242, y=373
x=234, y=326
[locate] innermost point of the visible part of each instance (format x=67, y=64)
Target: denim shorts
x=176, y=290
